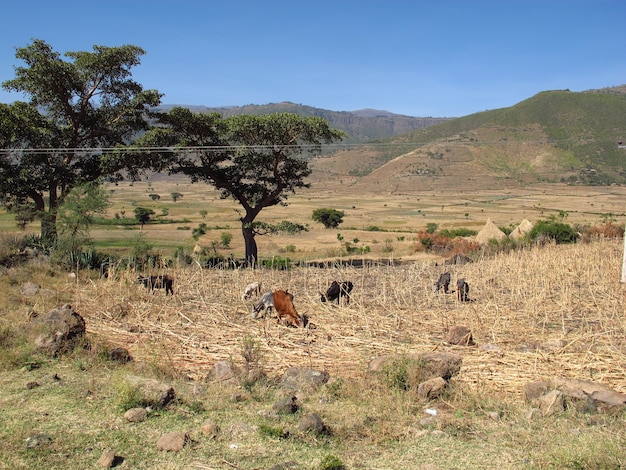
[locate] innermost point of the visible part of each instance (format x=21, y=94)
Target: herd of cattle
x=282, y=301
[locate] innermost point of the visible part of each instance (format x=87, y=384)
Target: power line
x=303, y=147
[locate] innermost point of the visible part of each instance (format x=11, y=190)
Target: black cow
x=443, y=281
x=462, y=290
x=158, y=282
x=336, y=291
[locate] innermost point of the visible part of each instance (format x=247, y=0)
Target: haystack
x=488, y=232
x=521, y=230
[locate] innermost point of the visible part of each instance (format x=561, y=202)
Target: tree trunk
x=250, y=243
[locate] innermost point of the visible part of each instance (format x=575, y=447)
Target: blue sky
x=438, y=58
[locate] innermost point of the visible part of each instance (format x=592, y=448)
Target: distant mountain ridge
x=361, y=126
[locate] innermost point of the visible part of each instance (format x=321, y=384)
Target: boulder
x=305, y=380
x=153, y=392
x=58, y=331
x=460, y=336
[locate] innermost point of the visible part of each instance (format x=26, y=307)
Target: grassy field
x=536, y=314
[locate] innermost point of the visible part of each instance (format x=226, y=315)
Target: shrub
x=552, y=230
x=331, y=218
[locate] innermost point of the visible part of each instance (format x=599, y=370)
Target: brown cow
x=283, y=304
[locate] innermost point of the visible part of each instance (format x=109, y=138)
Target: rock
x=38, y=441
x=31, y=385
x=604, y=396
x=107, y=458
x=313, y=423
x=173, y=441
x=152, y=391
x=286, y=405
x=460, y=335
x=224, y=372
x=30, y=289
x=58, y=331
x=306, y=380
x=431, y=364
x=532, y=391
x=432, y=388
x=136, y=415
x=241, y=429
x=210, y=429
x=120, y=355
x=551, y=402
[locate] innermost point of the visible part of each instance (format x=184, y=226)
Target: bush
x=552, y=230
x=331, y=218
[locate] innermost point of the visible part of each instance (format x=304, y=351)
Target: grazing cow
x=158, y=282
x=336, y=291
x=462, y=290
x=443, y=281
x=266, y=303
x=283, y=303
x=252, y=288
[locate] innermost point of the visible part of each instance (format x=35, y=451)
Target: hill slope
x=554, y=136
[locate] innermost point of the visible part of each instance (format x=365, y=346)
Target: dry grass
x=549, y=311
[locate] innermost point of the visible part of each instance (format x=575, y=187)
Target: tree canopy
x=256, y=160
x=77, y=107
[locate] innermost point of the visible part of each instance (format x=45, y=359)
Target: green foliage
x=176, y=196
x=199, y=231
x=143, y=215
x=274, y=432
x=402, y=374
x=154, y=197
x=330, y=218
x=91, y=93
x=457, y=232
x=373, y=228
x=256, y=160
x=225, y=239
x=277, y=262
x=331, y=462
x=558, y=232
x=128, y=396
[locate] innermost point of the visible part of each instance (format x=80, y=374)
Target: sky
x=435, y=58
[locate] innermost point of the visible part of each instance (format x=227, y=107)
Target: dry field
x=396, y=217
x=535, y=314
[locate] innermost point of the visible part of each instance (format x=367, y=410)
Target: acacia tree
x=76, y=108
x=256, y=160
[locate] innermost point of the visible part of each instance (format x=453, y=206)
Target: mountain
x=361, y=126
x=554, y=136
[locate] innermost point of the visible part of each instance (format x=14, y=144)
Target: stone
x=460, y=336
x=210, y=429
x=152, y=391
x=432, y=388
x=58, y=331
x=286, y=405
x=302, y=379
x=313, y=423
x=173, y=441
x=551, y=403
x=120, y=355
x=107, y=458
x=136, y=415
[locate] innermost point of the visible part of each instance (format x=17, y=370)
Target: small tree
x=143, y=215
x=331, y=218
x=225, y=239
x=154, y=197
x=176, y=196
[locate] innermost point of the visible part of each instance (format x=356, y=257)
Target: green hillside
x=555, y=136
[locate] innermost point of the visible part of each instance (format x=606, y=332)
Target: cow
x=443, y=281
x=283, y=303
x=252, y=288
x=462, y=290
x=266, y=303
x=162, y=281
x=336, y=291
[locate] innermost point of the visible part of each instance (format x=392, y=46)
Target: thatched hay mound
x=521, y=230
x=489, y=232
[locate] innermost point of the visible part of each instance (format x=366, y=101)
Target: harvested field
x=556, y=310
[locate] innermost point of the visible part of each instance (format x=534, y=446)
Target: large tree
x=77, y=107
x=256, y=160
